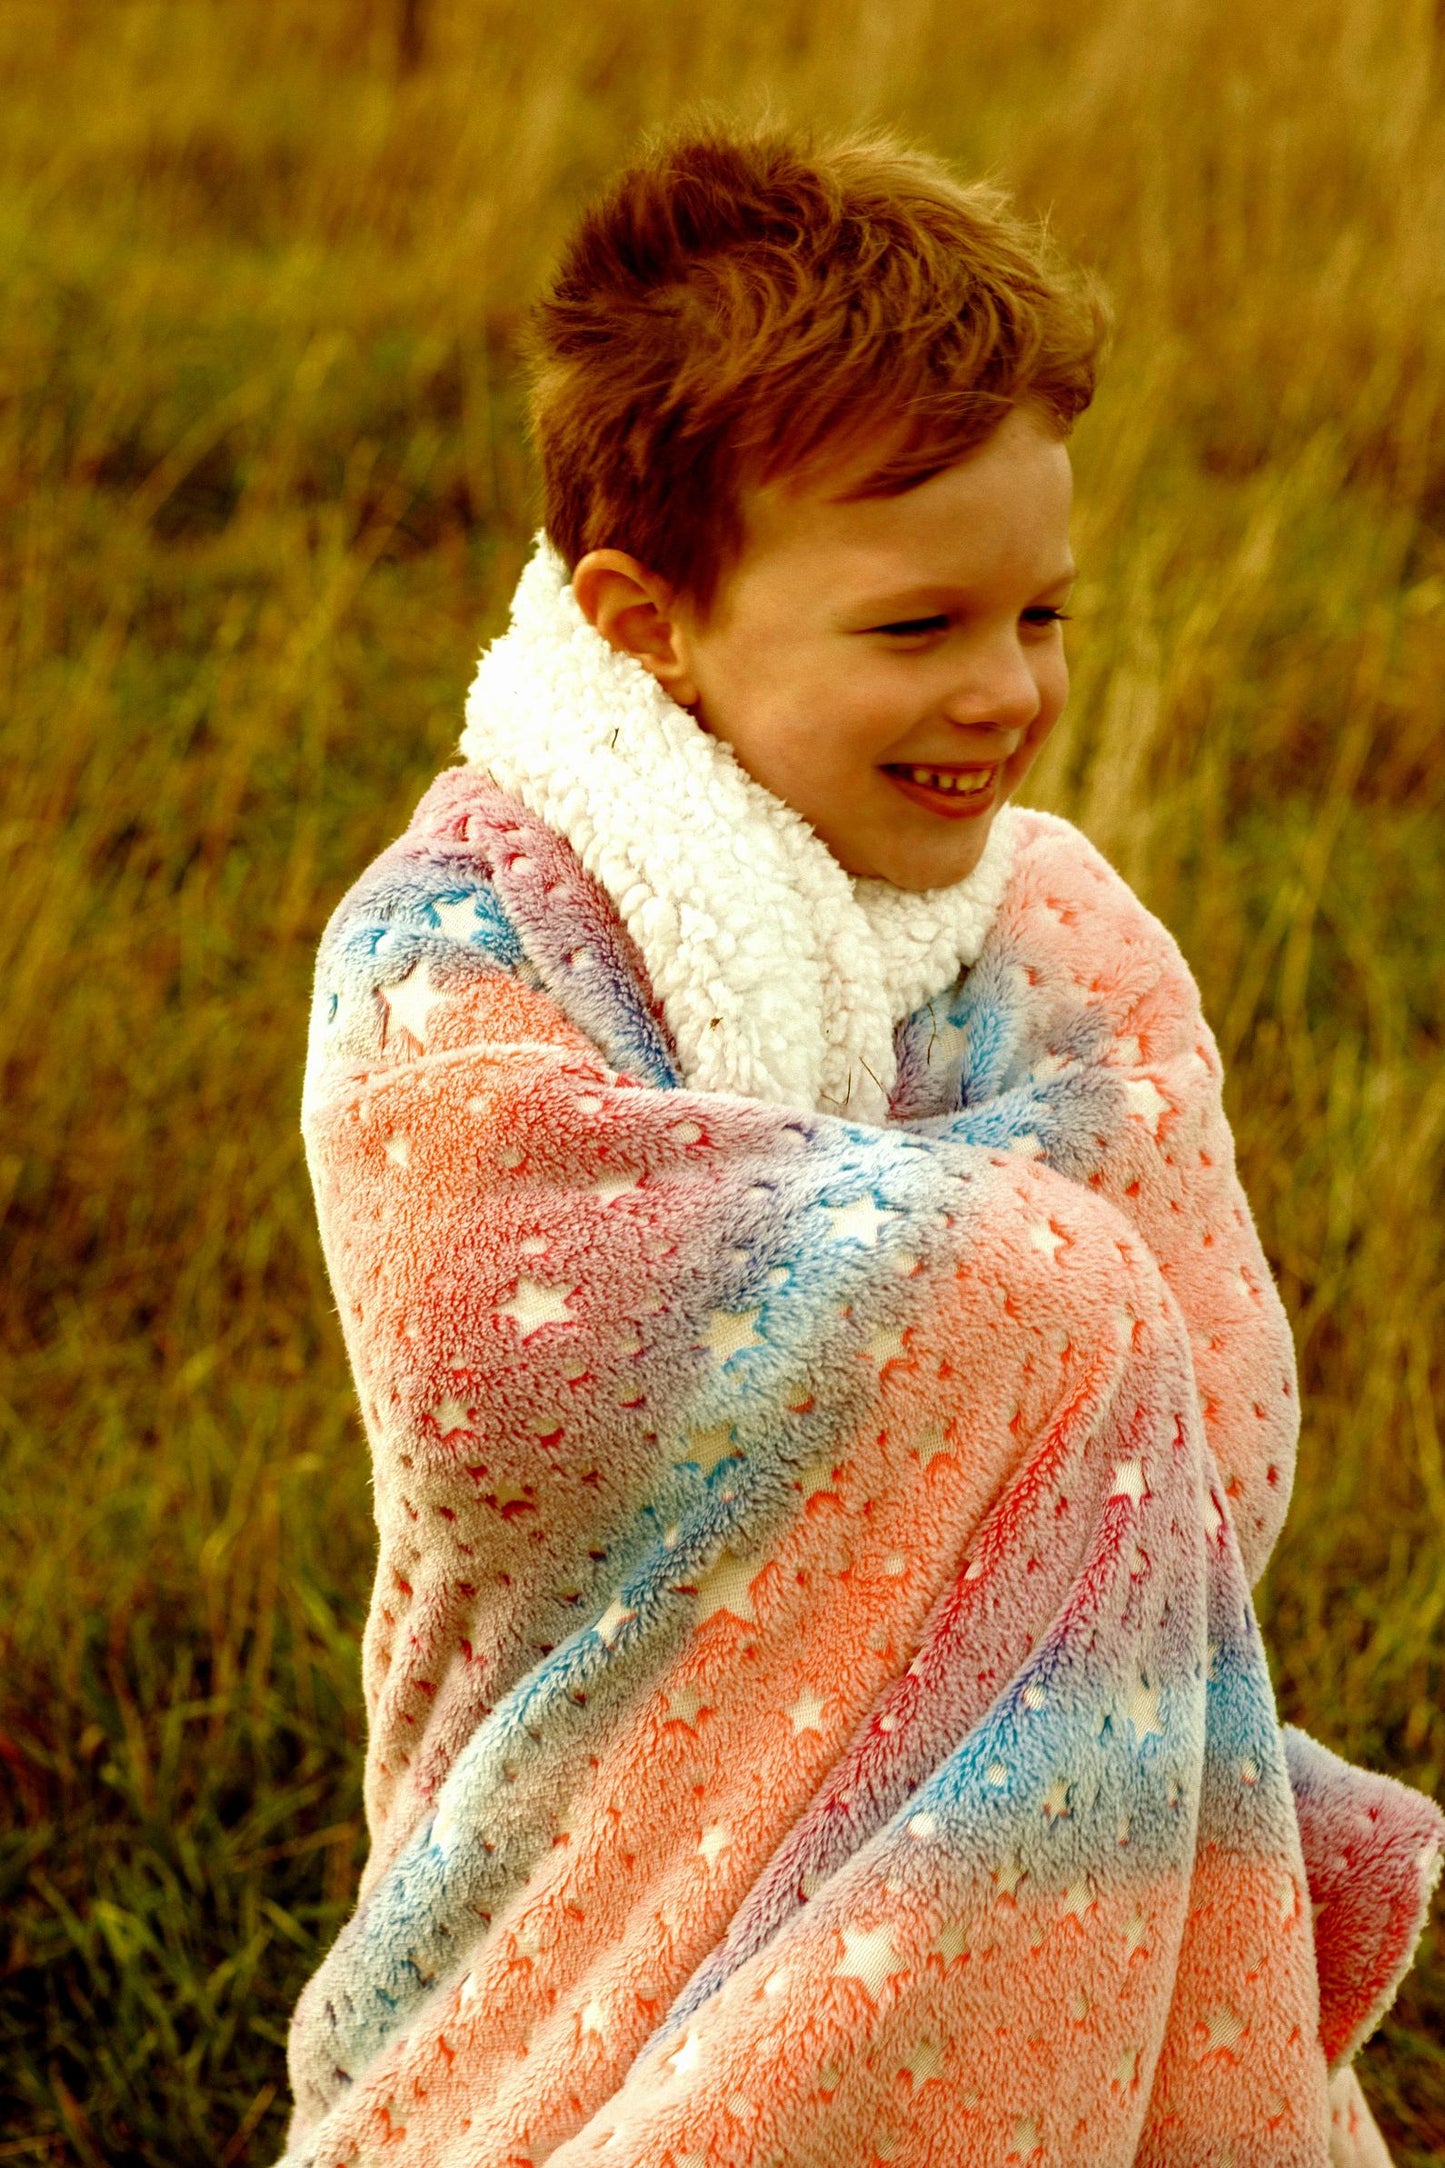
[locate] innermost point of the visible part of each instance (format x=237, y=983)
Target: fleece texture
x=817, y=1714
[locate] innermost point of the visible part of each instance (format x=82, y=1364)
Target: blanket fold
x=816, y=1708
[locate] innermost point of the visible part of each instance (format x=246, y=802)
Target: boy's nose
x=1000, y=700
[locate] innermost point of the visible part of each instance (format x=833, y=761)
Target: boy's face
x=892, y=666
x=888, y=666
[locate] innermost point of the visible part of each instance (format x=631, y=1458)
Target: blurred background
x=263, y=493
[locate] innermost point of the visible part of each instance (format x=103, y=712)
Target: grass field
x=263, y=491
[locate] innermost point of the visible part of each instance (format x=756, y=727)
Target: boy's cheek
x=1036, y=738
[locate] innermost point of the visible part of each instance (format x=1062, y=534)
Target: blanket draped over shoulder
x=817, y=1713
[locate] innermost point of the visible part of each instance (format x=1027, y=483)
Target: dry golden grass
x=263, y=492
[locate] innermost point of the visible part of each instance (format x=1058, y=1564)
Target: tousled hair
x=742, y=308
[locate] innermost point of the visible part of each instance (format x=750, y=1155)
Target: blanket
x=828, y=1406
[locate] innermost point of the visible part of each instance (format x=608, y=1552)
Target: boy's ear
x=636, y=613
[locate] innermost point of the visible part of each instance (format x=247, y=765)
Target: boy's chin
x=901, y=860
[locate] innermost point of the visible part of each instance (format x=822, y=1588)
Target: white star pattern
x=1142, y=1710
x=1045, y=1237
x=930, y=1443
x=946, y=1042
x=684, y=1704
x=708, y=1447
x=411, y=1001
x=951, y=1941
x=398, y=1150
x=1144, y=1099
x=730, y=1331
x=608, y=1186
x=1128, y=1481
x=858, y=1221
x=450, y=1415
x=611, y=1622
x=1049, y=1066
x=868, y=1956
x=457, y=917
x=1078, y=1898
x=885, y=1346
x=534, y=1305
x=725, y=1588
x=1056, y=1799
x=714, y=1839
x=592, y=2020
x=806, y=1711
x=1026, y=2138
x=685, y=2059
x=1224, y=2028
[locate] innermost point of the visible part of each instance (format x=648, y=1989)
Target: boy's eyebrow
x=913, y=601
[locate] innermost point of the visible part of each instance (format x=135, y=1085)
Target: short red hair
x=737, y=309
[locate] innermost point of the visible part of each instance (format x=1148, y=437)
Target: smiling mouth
x=952, y=792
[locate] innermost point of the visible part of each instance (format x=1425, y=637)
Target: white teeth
x=969, y=784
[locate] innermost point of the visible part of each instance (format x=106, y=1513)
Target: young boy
x=827, y=1397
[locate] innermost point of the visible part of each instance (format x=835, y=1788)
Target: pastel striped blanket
x=817, y=1714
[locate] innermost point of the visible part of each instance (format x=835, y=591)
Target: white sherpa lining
x=780, y=976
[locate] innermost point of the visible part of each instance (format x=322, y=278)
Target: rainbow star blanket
x=828, y=1405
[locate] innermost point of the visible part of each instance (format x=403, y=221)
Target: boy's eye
x=908, y=627
x=915, y=628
